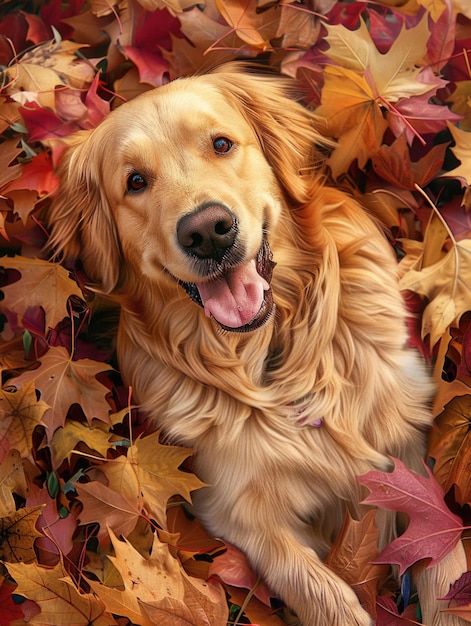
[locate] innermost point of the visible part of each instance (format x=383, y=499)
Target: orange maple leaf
x=350, y=112
x=42, y=283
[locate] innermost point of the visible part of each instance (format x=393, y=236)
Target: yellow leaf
x=447, y=287
x=436, y=234
x=158, y=591
x=156, y=467
x=434, y=7
x=20, y=413
x=393, y=75
x=63, y=382
x=463, y=7
x=42, y=283
x=60, y=602
x=65, y=440
x=43, y=68
x=18, y=534
x=462, y=151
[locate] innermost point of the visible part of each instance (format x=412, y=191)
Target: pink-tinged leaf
x=233, y=568
x=442, y=37
x=58, y=531
x=44, y=124
x=460, y=591
x=433, y=529
x=388, y=614
x=419, y=114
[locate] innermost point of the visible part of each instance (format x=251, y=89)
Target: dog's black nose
x=208, y=232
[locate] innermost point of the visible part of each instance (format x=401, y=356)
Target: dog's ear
x=285, y=129
x=80, y=217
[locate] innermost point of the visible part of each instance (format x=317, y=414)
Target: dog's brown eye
x=222, y=145
x=136, y=182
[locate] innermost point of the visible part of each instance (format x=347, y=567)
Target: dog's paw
x=351, y=614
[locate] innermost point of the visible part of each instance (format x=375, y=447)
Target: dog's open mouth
x=239, y=298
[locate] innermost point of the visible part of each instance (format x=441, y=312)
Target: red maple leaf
x=388, y=613
x=11, y=611
x=153, y=32
x=44, y=124
x=433, y=529
x=37, y=175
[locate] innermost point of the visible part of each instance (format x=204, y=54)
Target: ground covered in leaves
x=92, y=526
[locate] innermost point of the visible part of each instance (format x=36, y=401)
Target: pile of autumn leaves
x=78, y=471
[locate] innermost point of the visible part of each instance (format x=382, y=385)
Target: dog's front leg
x=296, y=574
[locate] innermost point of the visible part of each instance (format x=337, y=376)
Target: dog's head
x=188, y=180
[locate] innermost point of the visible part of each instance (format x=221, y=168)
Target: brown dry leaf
x=105, y=506
x=8, y=152
x=12, y=354
x=394, y=165
x=158, y=591
x=299, y=25
x=12, y=480
x=42, y=283
x=129, y=86
x=449, y=445
x=20, y=413
x=201, y=29
x=460, y=100
x=462, y=151
x=63, y=382
x=355, y=547
x=56, y=594
x=18, y=533
x=446, y=285
x=24, y=202
x=156, y=467
x=9, y=114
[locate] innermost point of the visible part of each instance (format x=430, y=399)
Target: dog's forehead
x=182, y=107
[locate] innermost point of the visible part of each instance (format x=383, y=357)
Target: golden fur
x=330, y=354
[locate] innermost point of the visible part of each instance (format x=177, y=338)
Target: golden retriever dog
x=261, y=321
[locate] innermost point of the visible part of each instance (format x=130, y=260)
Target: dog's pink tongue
x=234, y=299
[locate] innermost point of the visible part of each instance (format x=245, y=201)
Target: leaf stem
x=448, y=229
